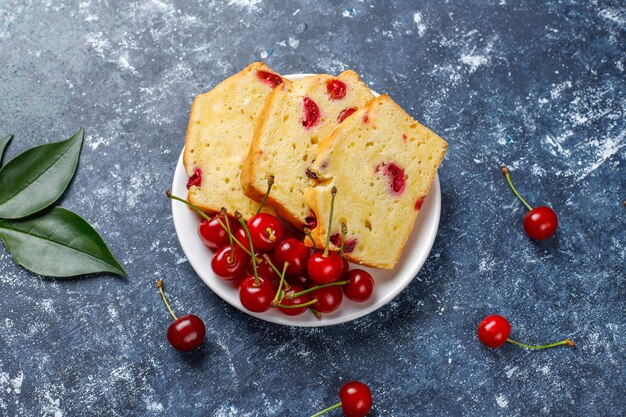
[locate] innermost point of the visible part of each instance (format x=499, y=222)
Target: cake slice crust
x=295, y=118
x=382, y=162
x=221, y=125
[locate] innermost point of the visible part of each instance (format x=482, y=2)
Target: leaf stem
x=507, y=175
x=159, y=285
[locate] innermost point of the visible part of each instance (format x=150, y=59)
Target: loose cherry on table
x=266, y=230
x=324, y=267
x=540, y=222
x=494, y=332
x=187, y=332
x=356, y=400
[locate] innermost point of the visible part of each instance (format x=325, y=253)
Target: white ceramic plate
x=388, y=283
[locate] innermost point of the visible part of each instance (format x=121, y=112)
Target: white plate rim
x=416, y=252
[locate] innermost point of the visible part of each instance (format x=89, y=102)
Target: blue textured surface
x=537, y=85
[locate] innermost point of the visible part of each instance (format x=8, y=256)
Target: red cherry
x=266, y=231
x=336, y=89
x=240, y=235
x=356, y=399
x=256, y=297
x=345, y=113
x=345, y=266
x=328, y=298
x=186, y=333
x=211, y=232
x=324, y=269
x=269, y=78
x=494, y=330
x=263, y=268
x=298, y=300
x=540, y=223
x=292, y=251
x=229, y=267
x=301, y=280
x=311, y=113
x=361, y=285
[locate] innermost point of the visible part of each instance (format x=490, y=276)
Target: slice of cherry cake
x=219, y=135
x=295, y=119
x=382, y=162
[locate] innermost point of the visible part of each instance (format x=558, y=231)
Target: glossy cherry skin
x=494, y=330
x=328, y=298
x=229, y=270
x=240, y=235
x=301, y=280
x=298, y=300
x=345, y=267
x=540, y=223
x=262, y=267
x=186, y=333
x=293, y=251
x=256, y=298
x=211, y=232
x=356, y=399
x=266, y=231
x=324, y=270
x=361, y=285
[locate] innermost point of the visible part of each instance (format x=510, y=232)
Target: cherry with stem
x=231, y=235
x=540, y=222
x=356, y=400
x=325, y=267
x=255, y=293
x=186, y=333
x=494, y=331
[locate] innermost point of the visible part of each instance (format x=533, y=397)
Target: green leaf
x=35, y=179
x=58, y=243
x=3, y=144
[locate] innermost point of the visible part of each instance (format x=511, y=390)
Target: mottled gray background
x=538, y=85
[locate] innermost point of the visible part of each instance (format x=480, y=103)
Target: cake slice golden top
x=296, y=117
x=382, y=162
x=219, y=135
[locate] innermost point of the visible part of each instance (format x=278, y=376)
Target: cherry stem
x=308, y=303
x=326, y=410
x=245, y=229
x=280, y=285
x=566, y=342
x=330, y=220
x=344, y=233
x=169, y=195
x=507, y=175
x=231, y=256
x=317, y=287
x=308, y=234
x=316, y=313
x=159, y=285
x=270, y=182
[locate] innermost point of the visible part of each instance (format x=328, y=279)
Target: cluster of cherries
x=274, y=268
